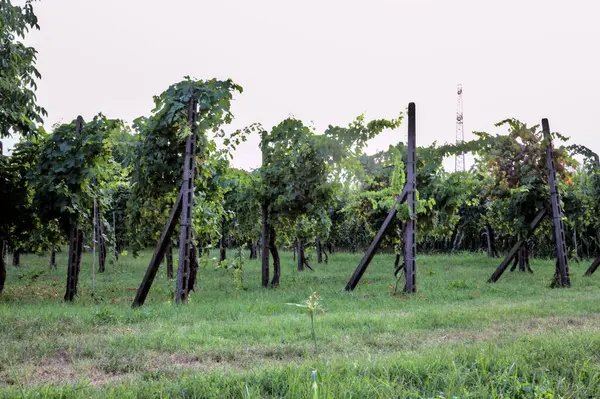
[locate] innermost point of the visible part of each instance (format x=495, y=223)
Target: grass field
x=457, y=337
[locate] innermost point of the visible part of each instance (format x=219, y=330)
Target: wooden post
x=185, y=240
x=596, y=262
x=410, y=243
x=94, y=241
x=366, y=260
x=300, y=250
x=319, y=249
x=265, y=222
x=53, y=259
x=516, y=248
x=169, y=258
x=561, y=278
x=593, y=267
x=100, y=241
x=75, y=245
x=115, y=253
x=159, y=253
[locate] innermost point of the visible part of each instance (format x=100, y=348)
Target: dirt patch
x=57, y=368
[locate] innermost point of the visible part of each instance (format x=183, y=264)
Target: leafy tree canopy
x=19, y=112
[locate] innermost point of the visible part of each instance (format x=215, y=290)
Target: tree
x=519, y=185
x=175, y=138
x=74, y=162
x=241, y=204
x=19, y=112
x=294, y=180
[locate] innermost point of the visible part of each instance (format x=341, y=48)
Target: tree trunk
x=101, y=243
x=490, y=241
x=575, y=244
x=300, y=250
x=265, y=242
x=253, y=250
x=521, y=257
x=276, y=261
x=222, y=250
x=169, y=258
x=102, y=255
x=304, y=260
x=2, y=273
x=115, y=253
x=222, y=243
x=16, y=260
x=193, y=268
x=53, y=260
x=75, y=250
x=526, y=255
x=319, y=251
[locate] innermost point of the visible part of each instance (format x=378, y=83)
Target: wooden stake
x=410, y=243
x=561, y=278
x=159, y=253
x=593, y=267
x=366, y=260
x=185, y=239
x=265, y=223
x=94, y=238
x=516, y=248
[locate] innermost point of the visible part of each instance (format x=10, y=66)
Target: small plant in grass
x=236, y=266
x=105, y=316
x=31, y=275
x=313, y=306
x=458, y=284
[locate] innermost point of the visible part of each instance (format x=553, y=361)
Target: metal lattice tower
x=459, y=159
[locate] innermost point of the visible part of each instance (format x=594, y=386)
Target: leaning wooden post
x=561, y=278
x=159, y=253
x=265, y=222
x=185, y=239
x=410, y=242
x=75, y=245
x=370, y=253
x=593, y=267
x=515, y=249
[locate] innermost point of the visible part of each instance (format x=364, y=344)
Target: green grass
x=457, y=337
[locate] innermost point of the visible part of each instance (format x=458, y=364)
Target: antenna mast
x=459, y=159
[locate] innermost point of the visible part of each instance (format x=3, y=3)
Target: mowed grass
x=457, y=337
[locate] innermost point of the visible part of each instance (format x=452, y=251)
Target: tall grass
x=457, y=337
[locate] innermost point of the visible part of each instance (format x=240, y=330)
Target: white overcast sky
x=328, y=61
